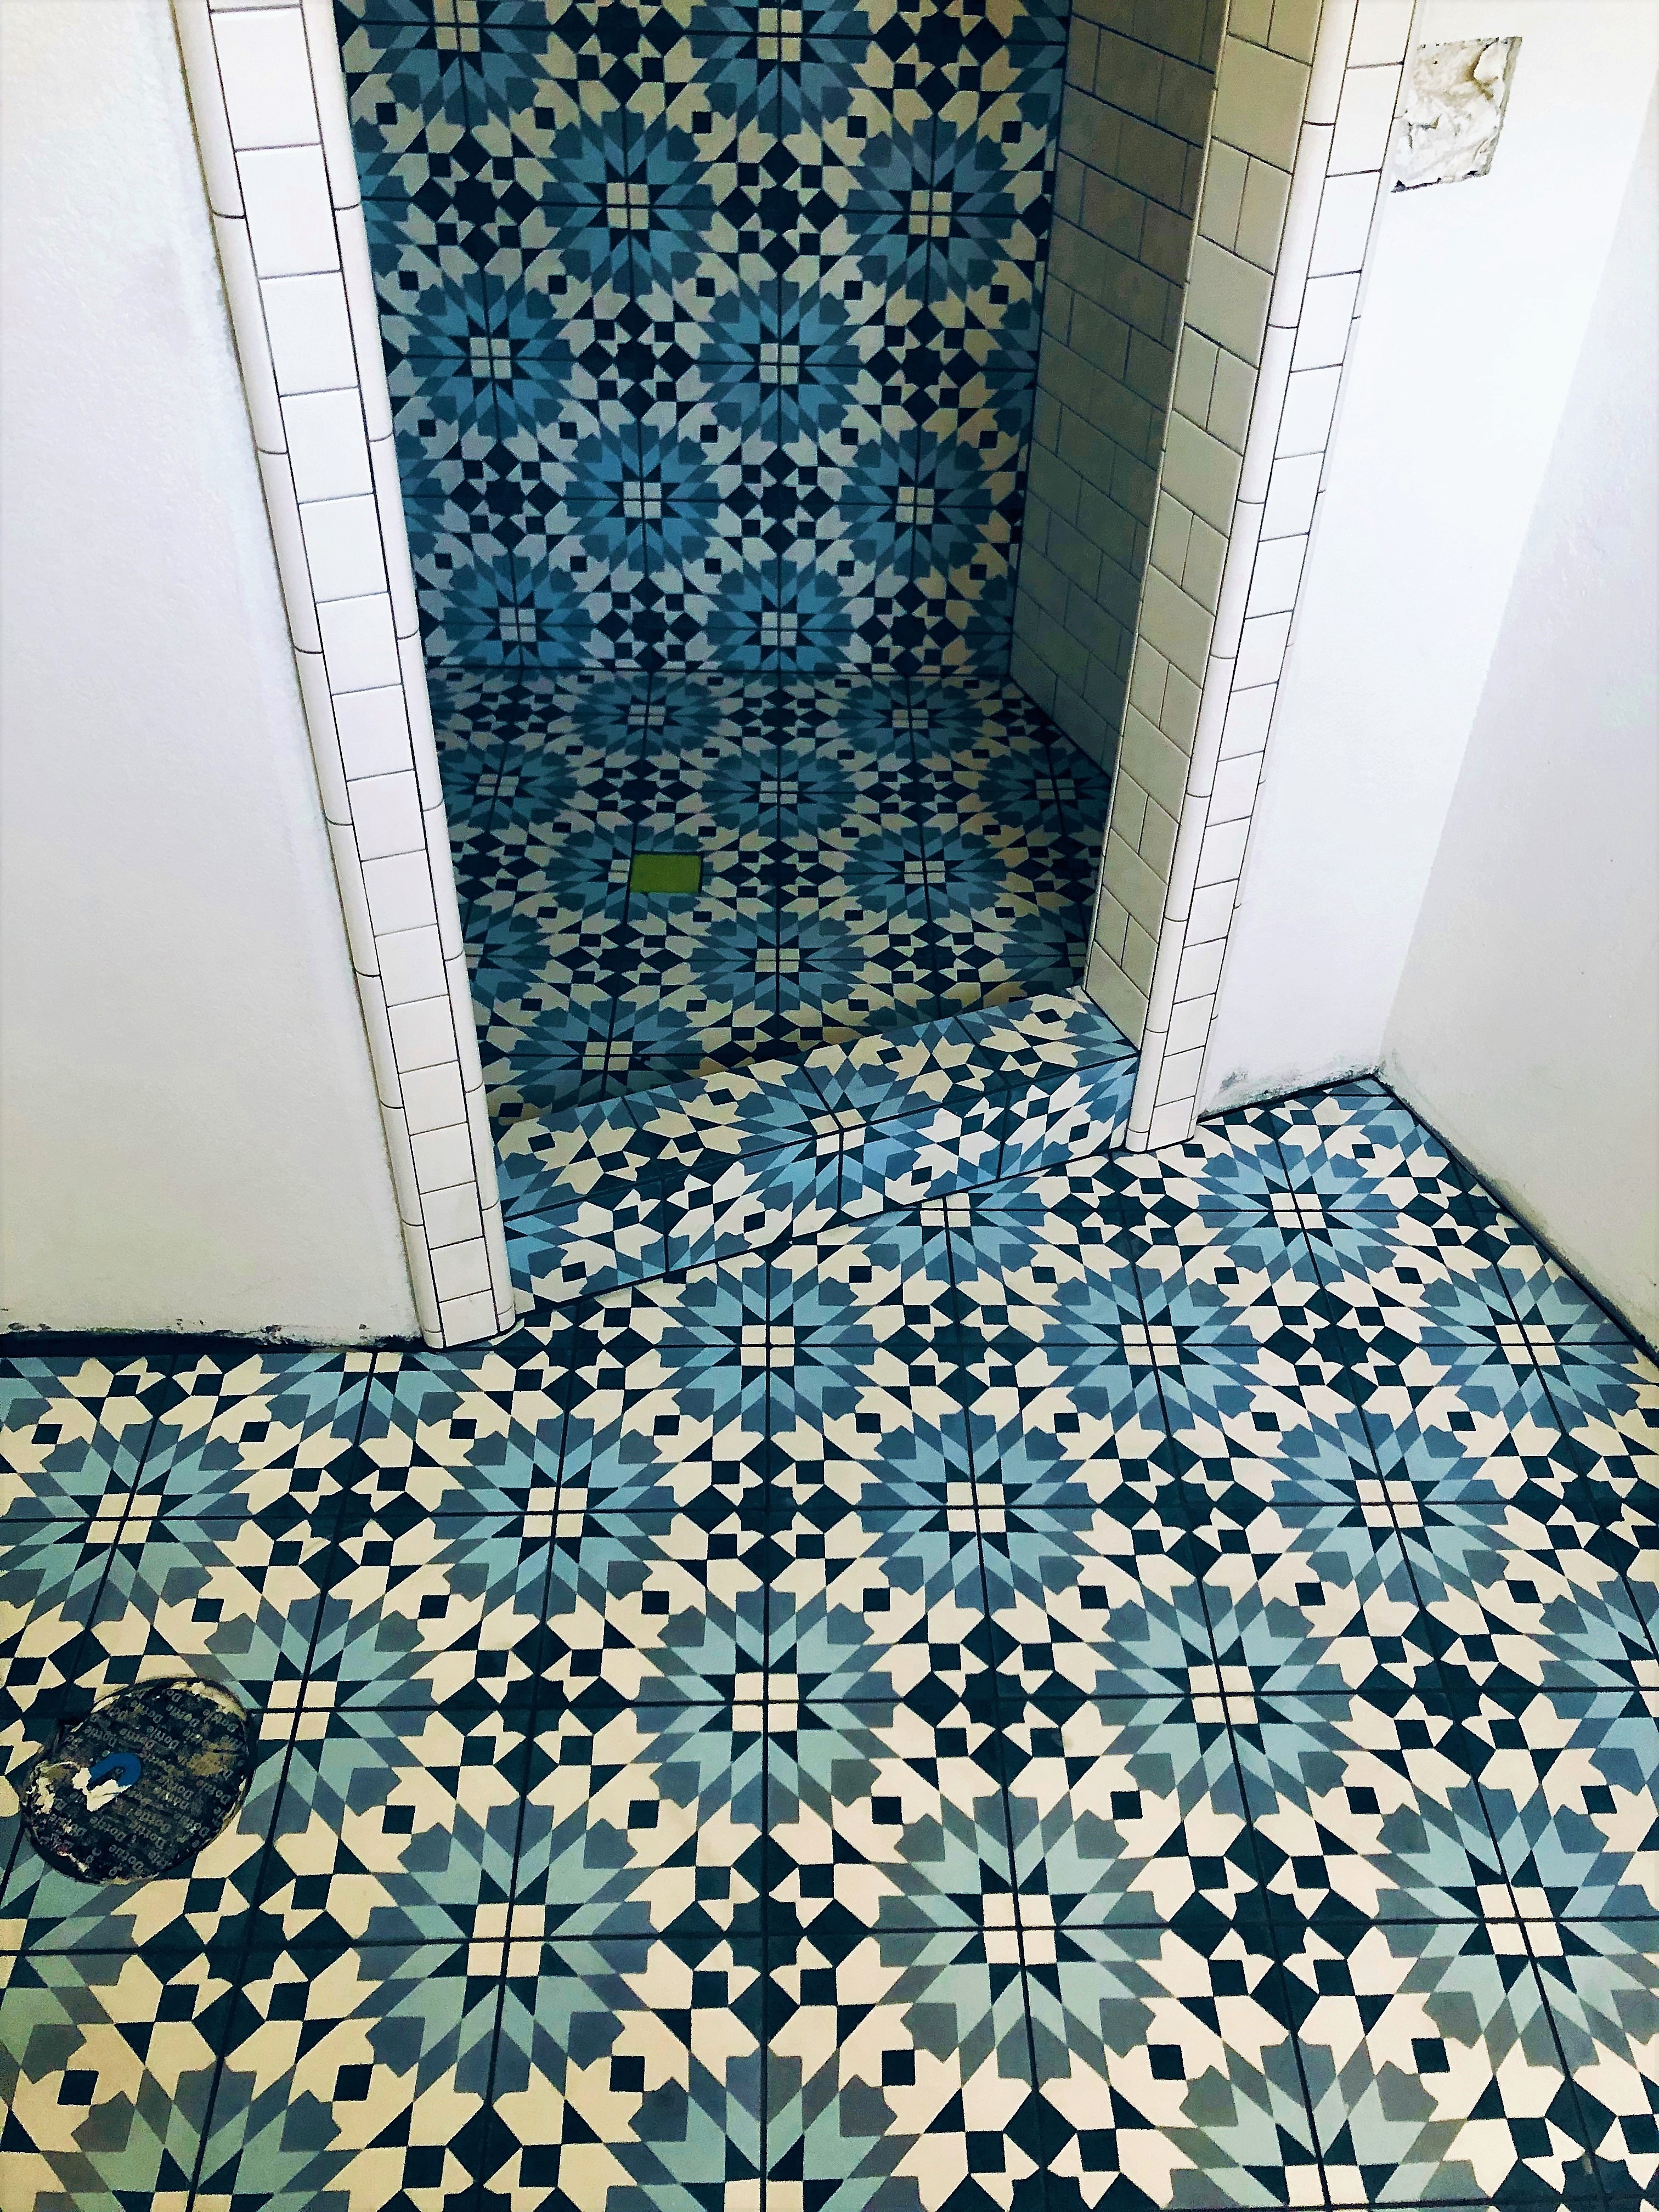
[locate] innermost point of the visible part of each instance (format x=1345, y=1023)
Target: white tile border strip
x=268, y=96
x=1330, y=219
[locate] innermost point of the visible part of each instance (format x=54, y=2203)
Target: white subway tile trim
x=1347, y=115
x=289, y=538
x=362, y=318
x=247, y=312
x=329, y=86
x=208, y=106
x=432, y=1099
x=1330, y=61
x=385, y=813
x=1301, y=223
x=360, y=644
x=1277, y=574
x=442, y=1157
x=1321, y=335
x=462, y=1321
x=321, y=722
x=353, y=899
x=460, y=1270
x=1262, y=648
x=420, y=1272
x=399, y=893
x=266, y=76
x=374, y=728
x=1178, y=1077
x=343, y=544
x=411, y=964
x=423, y=1033
x=1212, y=913
x=268, y=99
x=418, y=701
x=1168, y=1125
x=1233, y=793
x=400, y=572
x=452, y=1216
x=289, y=220
x=1310, y=401
x=1381, y=32
x=1189, y=1025
x=1344, y=223
x=1292, y=489
x=1364, y=118
x=1247, y=716
x=402, y=1167
x=381, y=1048
x=309, y=333
x=501, y=1278
x=1200, y=971
x=477, y=1126
x=326, y=444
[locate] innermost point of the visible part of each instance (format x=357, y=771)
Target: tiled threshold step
x=662, y=1180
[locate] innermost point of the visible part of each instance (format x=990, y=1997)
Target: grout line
x=329, y=1562
x=1400, y=1538
x=79, y=1646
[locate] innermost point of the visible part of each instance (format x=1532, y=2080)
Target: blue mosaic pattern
x=655, y=1181
x=711, y=329
x=1134, y=1684
x=874, y=854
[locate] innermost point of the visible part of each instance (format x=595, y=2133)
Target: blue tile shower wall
x=712, y=328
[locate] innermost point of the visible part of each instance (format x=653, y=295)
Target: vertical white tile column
x=268, y=100
x=1341, y=146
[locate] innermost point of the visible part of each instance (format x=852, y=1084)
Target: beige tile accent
x=1227, y=299
x=1112, y=991
x=1230, y=400
x=1135, y=885
x=1195, y=376
x=1224, y=179
x=1172, y=529
x=1201, y=471
x=1206, y=551
x=1177, y=625
x=1139, y=956
x=1258, y=105
x=1296, y=26
x=1252, y=19
x=1158, y=837
x=1111, y=921
x=1156, y=763
x=1261, y=219
x=1179, y=720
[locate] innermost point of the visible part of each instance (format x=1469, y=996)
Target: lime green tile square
x=680, y=872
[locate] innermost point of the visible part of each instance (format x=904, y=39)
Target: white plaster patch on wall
x=1453, y=109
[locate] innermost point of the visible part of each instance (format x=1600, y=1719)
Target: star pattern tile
x=1041, y=1698
x=872, y=856
x=712, y=328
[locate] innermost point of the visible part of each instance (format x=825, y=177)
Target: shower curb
x=654, y=1182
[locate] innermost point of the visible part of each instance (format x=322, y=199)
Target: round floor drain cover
x=148, y=1777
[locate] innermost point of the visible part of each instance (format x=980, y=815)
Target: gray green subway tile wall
x=1140, y=84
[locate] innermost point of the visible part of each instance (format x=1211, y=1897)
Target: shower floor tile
x=837, y=858
x=988, y=1704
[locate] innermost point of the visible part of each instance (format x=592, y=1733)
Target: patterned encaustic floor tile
x=855, y=857
x=1067, y=1695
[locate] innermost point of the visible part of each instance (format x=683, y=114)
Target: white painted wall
x=1479, y=300
x=1527, y=1024
x=189, y=1134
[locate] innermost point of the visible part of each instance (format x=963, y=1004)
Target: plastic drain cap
x=147, y=1779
